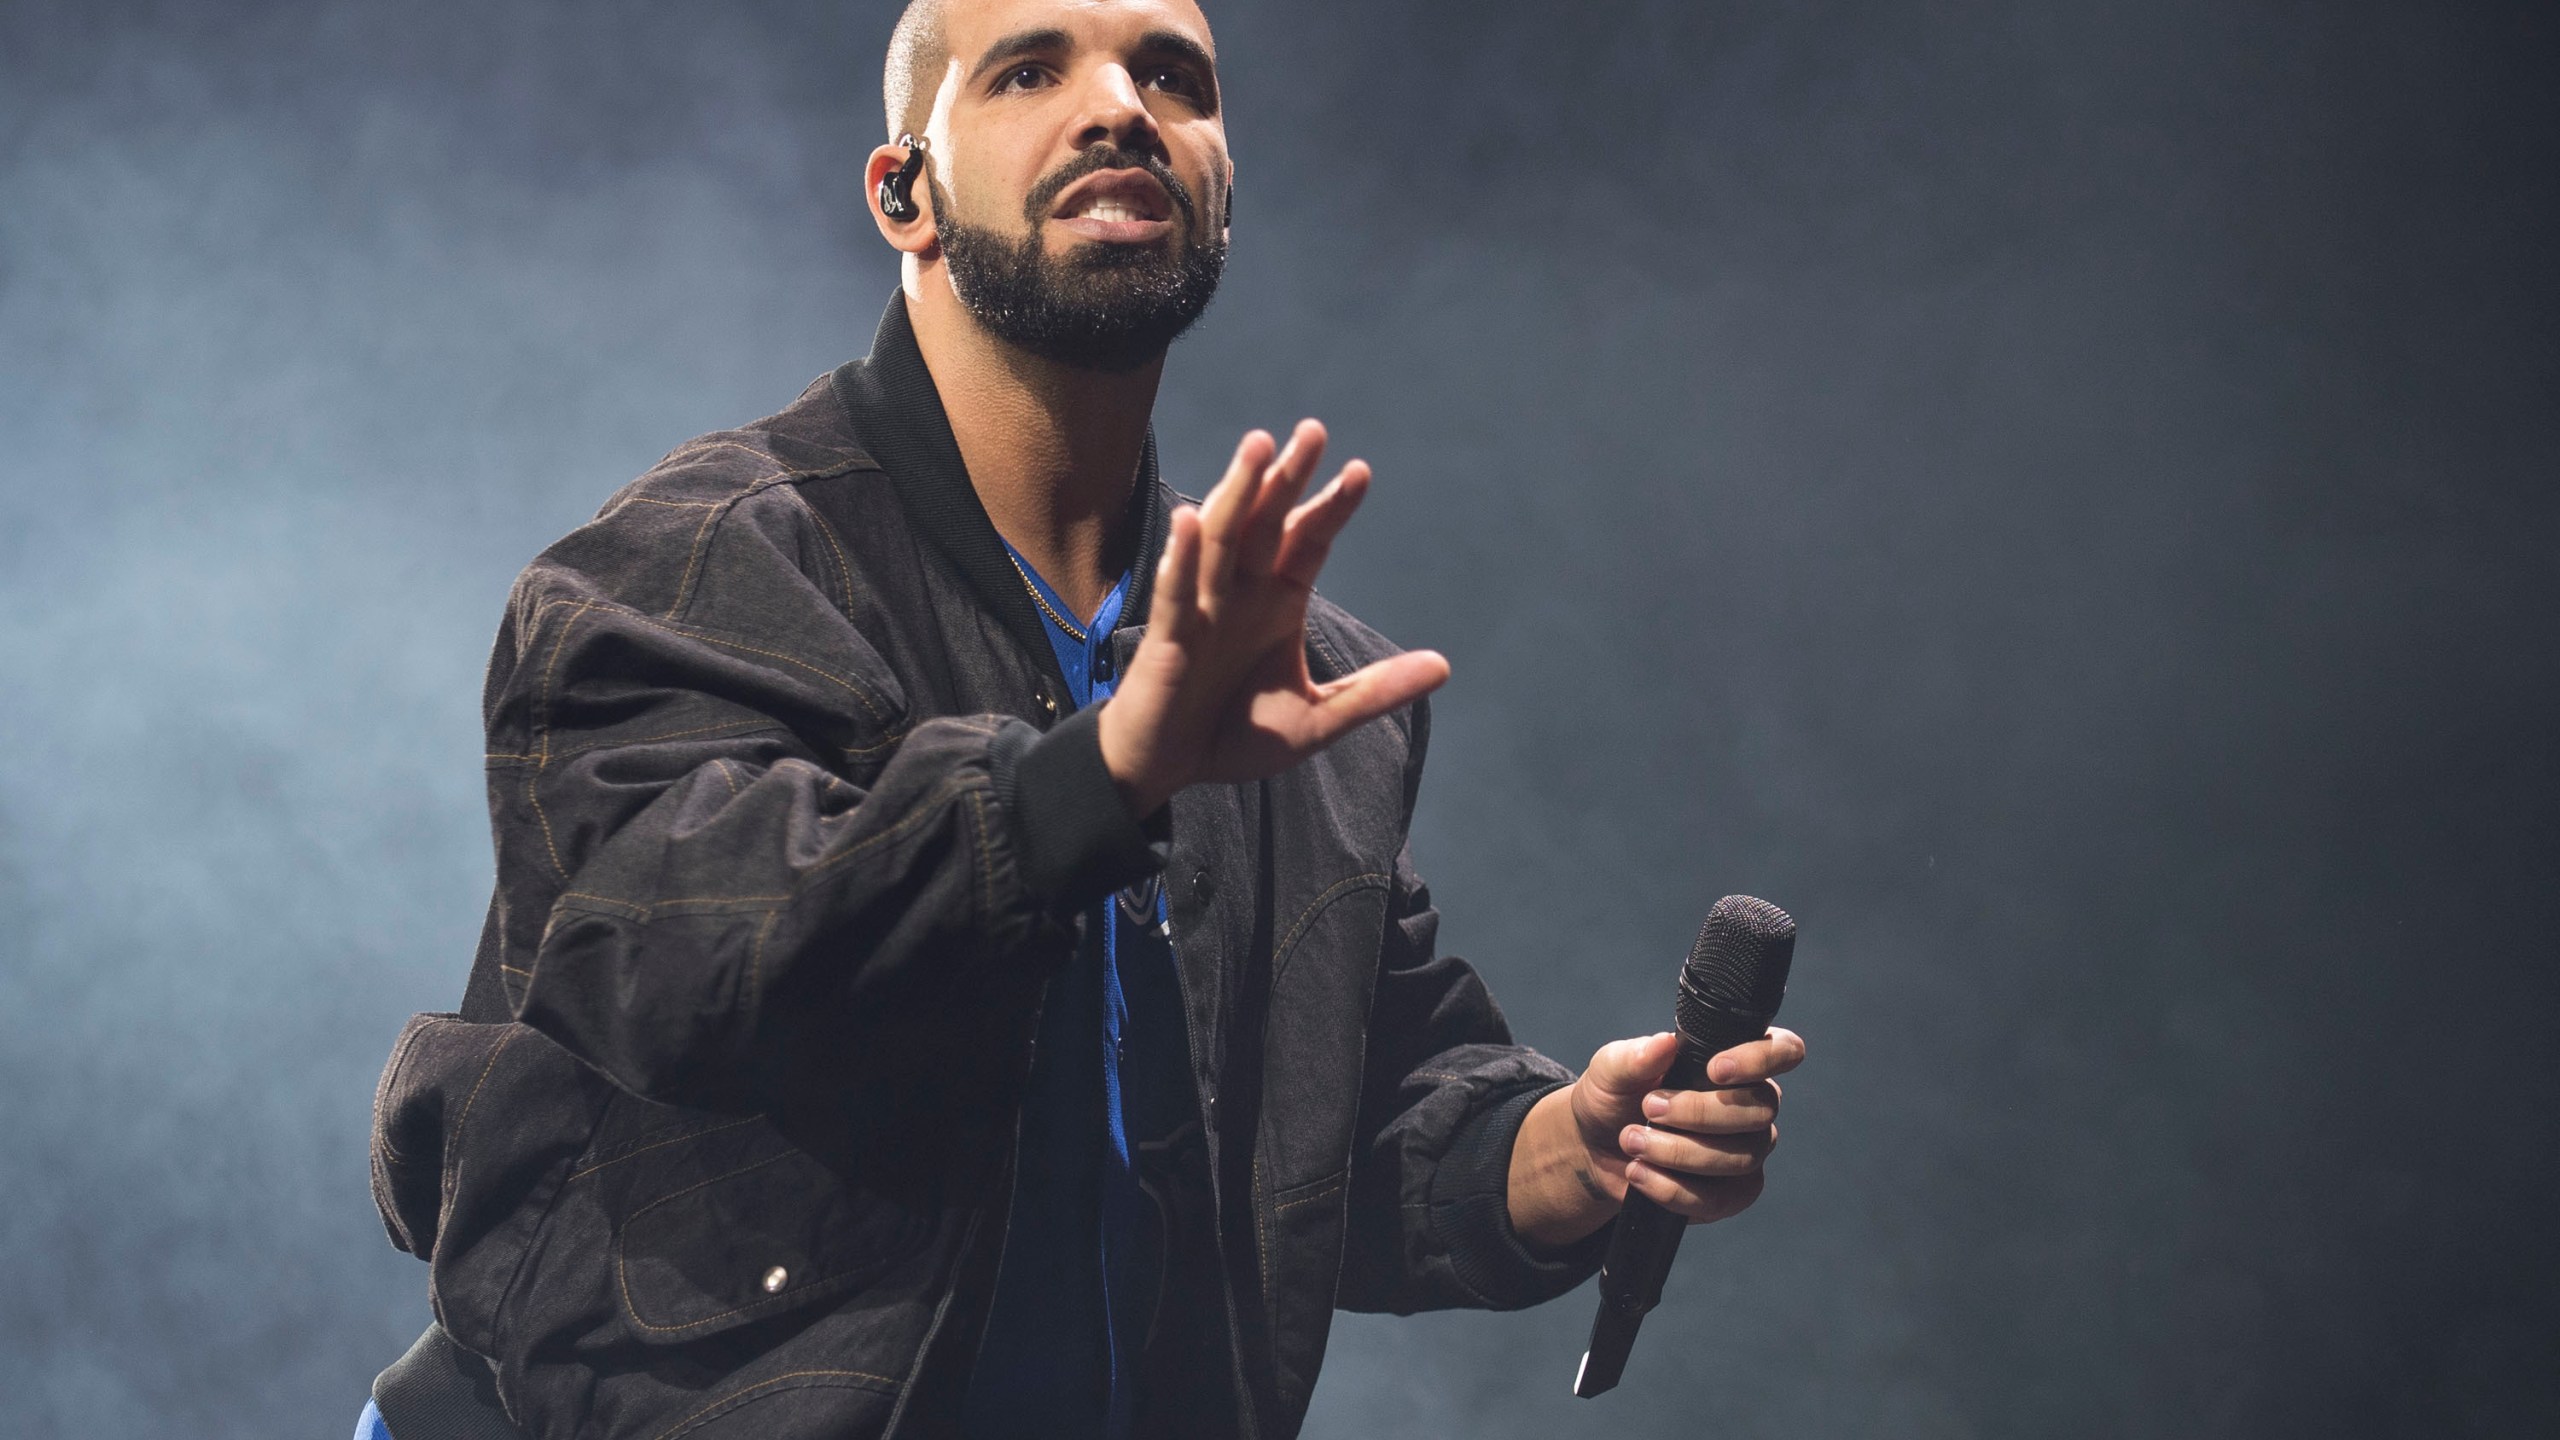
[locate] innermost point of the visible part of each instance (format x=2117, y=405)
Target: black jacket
x=790, y=832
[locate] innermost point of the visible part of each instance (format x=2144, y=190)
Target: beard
x=1100, y=306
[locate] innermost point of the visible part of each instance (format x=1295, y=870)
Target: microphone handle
x=1647, y=1237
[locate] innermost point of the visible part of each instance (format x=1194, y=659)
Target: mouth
x=1117, y=206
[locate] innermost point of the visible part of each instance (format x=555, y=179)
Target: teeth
x=1111, y=210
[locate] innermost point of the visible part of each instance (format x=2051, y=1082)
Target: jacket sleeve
x=726, y=853
x=1430, y=1218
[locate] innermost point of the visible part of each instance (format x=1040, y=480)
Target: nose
x=1114, y=112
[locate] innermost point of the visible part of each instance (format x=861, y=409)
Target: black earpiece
x=1229, y=207
x=897, y=188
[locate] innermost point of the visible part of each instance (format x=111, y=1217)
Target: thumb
x=1373, y=690
x=1622, y=1071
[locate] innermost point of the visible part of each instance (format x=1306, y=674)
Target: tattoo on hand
x=1591, y=1183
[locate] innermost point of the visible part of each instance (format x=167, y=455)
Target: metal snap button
x=1204, y=886
x=775, y=1279
x=1042, y=696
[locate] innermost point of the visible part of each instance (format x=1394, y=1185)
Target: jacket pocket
x=1305, y=1249
x=425, y=1094
x=755, y=1228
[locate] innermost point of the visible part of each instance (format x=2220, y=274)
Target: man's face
x=1081, y=175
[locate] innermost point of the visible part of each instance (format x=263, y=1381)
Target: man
x=920, y=998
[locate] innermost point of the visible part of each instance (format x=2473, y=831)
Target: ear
x=1227, y=217
x=914, y=235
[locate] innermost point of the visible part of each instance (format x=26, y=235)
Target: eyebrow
x=1168, y=42
x=1019, y=44
x=1050, y=39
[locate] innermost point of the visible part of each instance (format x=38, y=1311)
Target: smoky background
x=2060, y=497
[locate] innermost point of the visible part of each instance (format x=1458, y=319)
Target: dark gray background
x=2058, y=495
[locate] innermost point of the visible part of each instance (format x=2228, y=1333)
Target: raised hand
x=1219, y=689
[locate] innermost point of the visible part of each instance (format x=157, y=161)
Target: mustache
x=1107, y=157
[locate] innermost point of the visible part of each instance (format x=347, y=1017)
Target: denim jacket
x=793, y=822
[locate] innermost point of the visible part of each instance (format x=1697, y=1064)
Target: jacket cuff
x=1471, y=1209
x=1077, y=841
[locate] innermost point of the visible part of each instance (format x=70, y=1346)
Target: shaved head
x=919, y=50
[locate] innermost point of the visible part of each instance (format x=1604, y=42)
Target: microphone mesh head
x=1739, y=964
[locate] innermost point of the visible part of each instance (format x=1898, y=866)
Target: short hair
x=918, y=52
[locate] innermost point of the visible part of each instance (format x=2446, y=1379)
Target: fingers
x=1715, y=1112
x=1773, y=1054
x=1245, y=517
x=1222, y=515
x=1709, y=1155
x=1372, y=691
x=1282, y=483
x=1625, y=1069
x=1307, y=538
x=1696, y=1199
x=1177, y=588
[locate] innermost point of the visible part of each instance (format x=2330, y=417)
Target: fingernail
x=1657, y=1104
x=1632, y=1139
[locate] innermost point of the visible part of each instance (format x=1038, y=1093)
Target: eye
x=1173, y=80
x=1022, y=77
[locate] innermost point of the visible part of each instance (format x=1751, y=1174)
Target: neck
x=1053, y=452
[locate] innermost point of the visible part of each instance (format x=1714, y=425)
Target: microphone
x=1729, y=992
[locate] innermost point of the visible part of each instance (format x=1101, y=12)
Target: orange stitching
x=759, y=723
x=1262, y=1229
x=923, y=812
x=712, y=637
x=730, y=1401
x=534, y=799
x=659, y=1145
x=452, y=1148
x=1306, y=917
x=542, y=710
x=696, y=632
x=705, y=446
x=674, y=1195
x=551, y=669
x=890, y=742
x=645, y=906
x=670, y=504
x=400, y=1049
x=622, y=1265
x=728, y=772
x=826, y=532
x=1341, y=667
x=684, y=583
x=986, y=862
x=755, y=957
x=1332, y=1188
x=915, y=817
x=702, y=533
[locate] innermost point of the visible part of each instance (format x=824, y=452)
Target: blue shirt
x=1078, y=1283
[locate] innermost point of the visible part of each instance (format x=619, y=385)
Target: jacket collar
x=899, y=420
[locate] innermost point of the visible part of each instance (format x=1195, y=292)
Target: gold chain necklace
x=1074, y=632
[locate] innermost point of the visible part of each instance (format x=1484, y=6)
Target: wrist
x=1138, y=789
x=1559, y=1192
